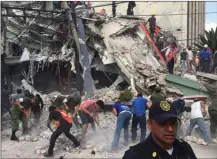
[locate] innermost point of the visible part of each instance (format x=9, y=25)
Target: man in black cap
x=162, y=142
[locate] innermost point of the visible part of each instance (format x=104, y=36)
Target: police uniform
x=149, y=149
x=63, y=124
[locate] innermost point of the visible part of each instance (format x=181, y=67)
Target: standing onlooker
x=171, y=57
x=190, y=58
x=140, y=105
x=131, y=5
x=183, y=60
x=114, y=9
x=123, y=114
x=197, y=110
x=205, y=59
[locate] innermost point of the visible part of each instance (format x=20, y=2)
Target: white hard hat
x=206, y=46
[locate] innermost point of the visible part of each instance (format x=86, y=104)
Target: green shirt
x=155, y=97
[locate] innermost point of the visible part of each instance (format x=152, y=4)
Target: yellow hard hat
x=153, y=13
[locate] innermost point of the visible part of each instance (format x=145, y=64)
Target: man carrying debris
x=205, y=59
x=20, y=110
x=213, y=117
x=158, y=95
x=123, y=114
x=63, y=124
x=162, y=142
x=140, y=105
x=171, y=57
x=183, y=61
x=88, y=112
x=198, y=111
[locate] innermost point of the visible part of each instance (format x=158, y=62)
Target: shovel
x=97, y=123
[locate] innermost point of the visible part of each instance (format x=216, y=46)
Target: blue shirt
x=139, y=105
x=205, y=55
x=121, y=107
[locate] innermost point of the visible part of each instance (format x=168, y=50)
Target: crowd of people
x=165, y=138
x=202, y=60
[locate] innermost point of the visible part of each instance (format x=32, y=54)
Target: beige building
x=183, y=18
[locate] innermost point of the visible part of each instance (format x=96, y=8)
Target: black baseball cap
x=162, y=110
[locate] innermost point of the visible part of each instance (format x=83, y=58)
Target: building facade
x=185, y=19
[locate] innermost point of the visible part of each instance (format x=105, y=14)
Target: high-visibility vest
x=65, y=116
x=172, y=54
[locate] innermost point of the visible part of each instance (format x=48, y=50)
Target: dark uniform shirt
x=152, y=22
x=55, y=115
x=148, y=149
x=183, y=56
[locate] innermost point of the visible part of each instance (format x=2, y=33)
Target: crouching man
x=63, y=123
x=123, y=114
x=88, y=112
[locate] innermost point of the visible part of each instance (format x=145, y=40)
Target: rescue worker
x=162, y=142
x=114, y=9
x=63, y=124
x=140, y=105
x=37, y=108
x=123, y=114
x=88, y=112
x=152, y=24
x=131, y=5
x=198, y=111
x=212, y=109
x=158, y=95
x=205, y=59
x=171, y=57
x=20, y=110
x=183, y=61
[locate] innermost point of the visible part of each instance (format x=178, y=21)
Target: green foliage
x=126, y=96
x=210, y=38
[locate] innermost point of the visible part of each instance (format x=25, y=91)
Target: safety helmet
x=206, y=46
x=153, y=13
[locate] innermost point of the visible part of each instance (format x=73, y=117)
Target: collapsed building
x=111, y=51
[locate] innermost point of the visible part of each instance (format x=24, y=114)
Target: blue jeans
x=123, y=120
x=141, y=120
x=183, y=66
x=202, y=127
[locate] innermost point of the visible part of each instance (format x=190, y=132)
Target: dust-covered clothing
x=16, y=116
x=85, y=118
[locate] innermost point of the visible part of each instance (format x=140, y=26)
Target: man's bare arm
x=148, y=105
x=115, y=112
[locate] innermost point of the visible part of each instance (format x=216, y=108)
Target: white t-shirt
x=196, y=111
x=170, y=151
x=190, y=55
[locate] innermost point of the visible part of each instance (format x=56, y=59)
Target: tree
x=210, y=38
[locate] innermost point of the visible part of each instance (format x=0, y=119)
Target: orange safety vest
x=172, y=54
x=65, y=116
